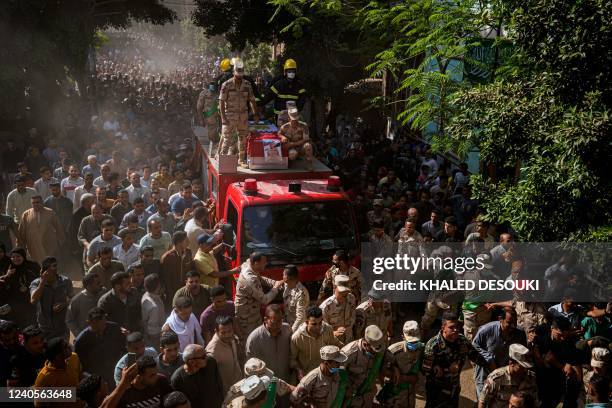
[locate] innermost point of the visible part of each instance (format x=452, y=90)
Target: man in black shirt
x=199, y=378
x=141, y=386
x=29, y=358
x=121, y=305
x=100, y=345
x=558, y=363
x=170, y=359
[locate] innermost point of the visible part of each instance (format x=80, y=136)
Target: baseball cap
x=332, y=353
x=374, y=337
x=205, y=239
x=520, y=354
x=411, y=331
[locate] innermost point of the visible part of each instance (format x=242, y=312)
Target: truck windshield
x=298, y=233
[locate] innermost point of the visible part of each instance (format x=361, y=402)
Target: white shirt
x=17, y=203
x=126, y=257
x=43, y=188
x=134, y=192
x=69, y=186
x=78, y=193
x=193, y=231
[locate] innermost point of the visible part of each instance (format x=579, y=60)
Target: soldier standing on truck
x=233, y=99
x=208, y=111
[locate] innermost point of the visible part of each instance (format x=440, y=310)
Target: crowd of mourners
x=113, y=279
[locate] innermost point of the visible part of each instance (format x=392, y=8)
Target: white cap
x=411, y=331
x=252, y=386
x=237, y=63
x=255, y=366
x=599, y=356
x=332, y=353
x=341, y=282
x=374, y=337
x=520, y=354
x=294, y=113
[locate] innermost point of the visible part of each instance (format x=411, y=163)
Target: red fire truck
x=294, y=216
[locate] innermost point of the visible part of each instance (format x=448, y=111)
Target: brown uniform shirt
x=236, y=99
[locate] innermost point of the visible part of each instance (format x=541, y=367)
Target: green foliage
x=327, y=47
x=432, y=38
x=567, y=43
x=564, y=191
x=551, y=114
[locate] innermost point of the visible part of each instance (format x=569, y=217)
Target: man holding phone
x=136, y=348
x=51, y=294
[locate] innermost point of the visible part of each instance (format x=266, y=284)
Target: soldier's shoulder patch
x=396, y=347
x=363, y=305
x=351, y=348
x=310, y=376
x=497, y=373
x=326, y=302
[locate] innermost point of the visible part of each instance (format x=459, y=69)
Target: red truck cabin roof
x=277, y=191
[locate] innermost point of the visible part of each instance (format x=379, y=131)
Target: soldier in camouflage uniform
x=208, y=111
x=233, y=108
x=250, y=295
x=475, y=311
x=406, y=358
x=374, y=311
x=438, y=301
x=366, y=360
x=504, y=381
x=341, y=266
x=295, y=135
x=380, y=215
x=324, y=386
x=255, y=366
x=295, y=298
x=253, y=392
x=443, y=358
x=339, y=310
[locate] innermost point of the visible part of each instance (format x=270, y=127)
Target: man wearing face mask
x=366, y=359
x=405, y=362
x=376, y=310
x=341, y=266
x=288, y=88
x=325, y=386
x=339, y=310
x=233, y=98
